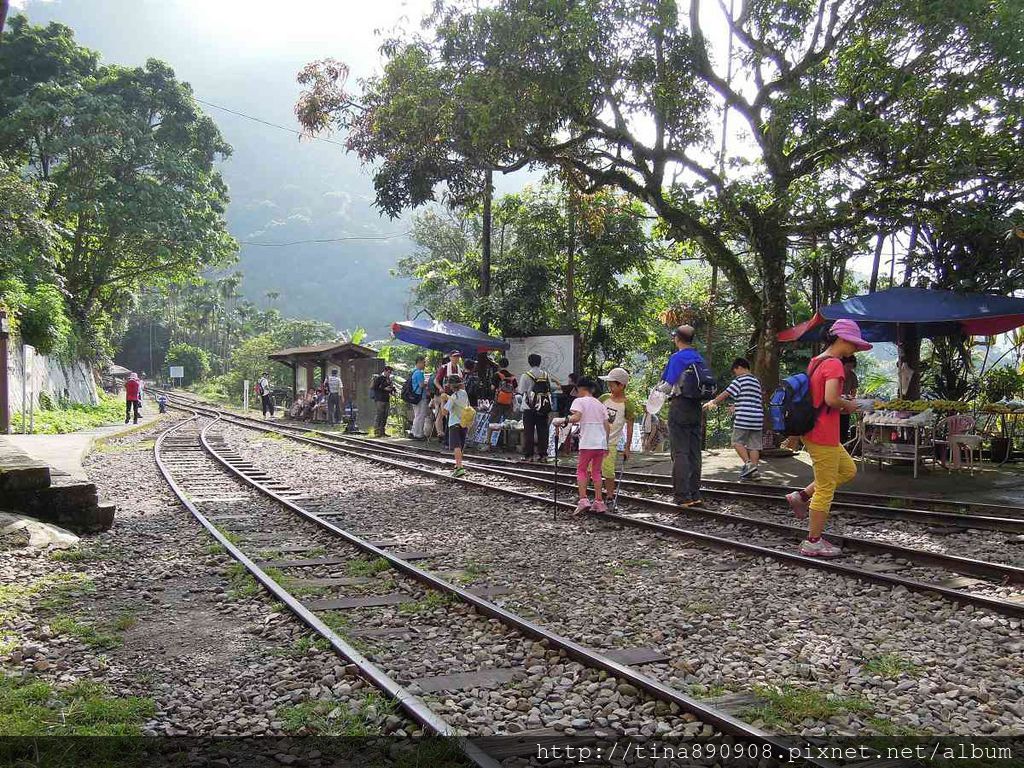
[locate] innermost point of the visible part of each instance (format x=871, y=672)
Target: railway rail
x=215, y=484
x=994, y=596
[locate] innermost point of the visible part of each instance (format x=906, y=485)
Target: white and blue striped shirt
x=745, y=391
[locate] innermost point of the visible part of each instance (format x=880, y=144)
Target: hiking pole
x=618, y=484
x=554, y=490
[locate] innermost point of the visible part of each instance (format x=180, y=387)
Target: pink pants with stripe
x=590, y=461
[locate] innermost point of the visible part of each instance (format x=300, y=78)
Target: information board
x=557, y=352
x=177, y=371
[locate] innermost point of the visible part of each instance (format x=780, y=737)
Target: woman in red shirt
x=832, y=464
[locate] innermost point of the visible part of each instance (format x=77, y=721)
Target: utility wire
x=325, y=240
x=298, y=133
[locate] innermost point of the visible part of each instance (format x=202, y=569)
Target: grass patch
x=125, y=621
x=700, y=606
x=363, y=567
x=243, y=586
x=30, y=707
x=73, y=417
x=325, y=718
x=896, y=504
x=889, y=728
x=890, y=666
x=89, y=634
x=432, y=601
x=76, y=555
x=788, y=705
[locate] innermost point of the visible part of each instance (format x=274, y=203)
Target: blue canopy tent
x=445, y=336
x=902, y=314
x=906, y=315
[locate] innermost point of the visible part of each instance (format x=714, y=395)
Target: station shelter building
x=356, y=365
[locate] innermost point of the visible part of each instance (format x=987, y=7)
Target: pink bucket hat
x=848, y=330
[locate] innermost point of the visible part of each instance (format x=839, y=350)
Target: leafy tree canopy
x=127, y=160
x=856, y=112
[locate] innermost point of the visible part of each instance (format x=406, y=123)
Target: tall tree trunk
x=4, y=5
x=570, y=272
x=910, y=355
x=485, y=250
x=875, y=263
x=770, y=242
x=908, y=264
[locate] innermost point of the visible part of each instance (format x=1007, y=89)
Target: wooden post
x=5, y=409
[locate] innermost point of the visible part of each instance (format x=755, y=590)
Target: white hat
x=619, y=375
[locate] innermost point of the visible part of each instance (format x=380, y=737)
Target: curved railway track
x=216, y=485
x=876, y=561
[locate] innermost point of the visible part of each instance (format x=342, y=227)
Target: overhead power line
x=324, y=240
x=260, y=120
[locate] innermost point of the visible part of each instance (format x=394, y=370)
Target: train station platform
x=42, y=476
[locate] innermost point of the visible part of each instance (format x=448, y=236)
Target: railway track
x=874, y=561
x=306, y=560
x=937, y=512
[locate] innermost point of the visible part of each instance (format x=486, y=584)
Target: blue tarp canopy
x=900, y=314
x=445, y=336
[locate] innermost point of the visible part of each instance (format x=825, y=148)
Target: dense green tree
x=128, y=161
x=885, y=109
x=556, y=256
x=194, y=360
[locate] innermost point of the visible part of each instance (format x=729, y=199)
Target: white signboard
x=177, y=371
x=557, y=353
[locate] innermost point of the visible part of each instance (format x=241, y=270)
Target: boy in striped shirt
x=748, y=420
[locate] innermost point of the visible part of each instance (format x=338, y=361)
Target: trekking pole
x=554, y=491
x=618, y=484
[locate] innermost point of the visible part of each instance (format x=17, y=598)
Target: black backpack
x=472, y=386
x=408, y=395
x=538, y=399
x=698, y=383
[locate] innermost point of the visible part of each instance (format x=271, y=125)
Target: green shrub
x=196, y=361
x=44, y=320
x=72, y=417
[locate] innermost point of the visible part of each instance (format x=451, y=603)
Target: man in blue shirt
x=422, y=408
x=683, y=420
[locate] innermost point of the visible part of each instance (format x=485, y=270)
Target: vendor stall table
x=876, y=432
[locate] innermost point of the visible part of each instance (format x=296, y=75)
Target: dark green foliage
x=125, y=164
x=196, y=361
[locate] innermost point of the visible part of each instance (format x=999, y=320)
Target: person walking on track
x=418, y=389
x=266, y=392
x=381, y=390
x=620, y=418
x=831, y=462
x=459, y=413
x=132, y=398
x=592, y=416
x=748, y=421
x=535, y=386
x=335, y=394
x=678, y=381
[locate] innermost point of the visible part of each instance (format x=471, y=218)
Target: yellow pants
x=832, y=467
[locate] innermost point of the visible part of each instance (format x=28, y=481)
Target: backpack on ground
x=698, y=383
x=791, y=408
x=538, y=399
x=408, y=395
